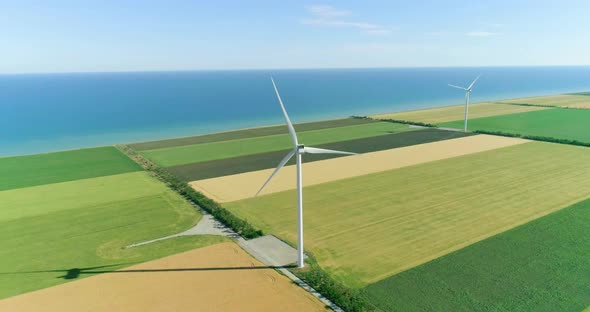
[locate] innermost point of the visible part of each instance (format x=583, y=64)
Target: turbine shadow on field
x=74, y=273
x=262, y=267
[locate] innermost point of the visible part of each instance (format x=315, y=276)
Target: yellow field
x=221, y=277
x=452, y=113
x=370, y=227
x=245, y=185
x=562, y=100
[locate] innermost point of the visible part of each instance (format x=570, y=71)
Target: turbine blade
x=457, y=87
x=315, y=150
x=281, y=164
x=289, y=124
x=471, y=85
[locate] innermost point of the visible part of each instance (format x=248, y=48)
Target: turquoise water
x=49, y=112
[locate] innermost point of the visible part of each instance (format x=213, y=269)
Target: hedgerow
x=350, y=300
x=535, y=138
x=406, y=122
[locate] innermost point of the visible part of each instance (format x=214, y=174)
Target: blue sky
x=79, y=36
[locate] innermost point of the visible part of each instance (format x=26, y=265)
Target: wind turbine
x=467, y=93
x=297, y=151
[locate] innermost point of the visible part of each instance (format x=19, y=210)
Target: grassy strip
x=245, y=133
x=240, y=226
x=539, y=266
x=351, y=300
x=32, y=170
x=236, y=165
x=534, y=137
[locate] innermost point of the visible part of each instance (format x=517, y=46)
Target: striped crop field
x=367, y=228
x=254, y=162
x=245, y=185
x=247, y=133
x=195, y=153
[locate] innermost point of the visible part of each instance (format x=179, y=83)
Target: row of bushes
x=348, y=299
x=240, y=226
x=406, y=122
x=527, y=104
x=543, y=105
x=535, y=138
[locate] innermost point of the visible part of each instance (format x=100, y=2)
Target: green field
x=559, y=123
x=247, y=133
x=24, y=171
x=173, y=156
x=540, y=266
x=241, y=164
x=367, y=228
x=50, y=233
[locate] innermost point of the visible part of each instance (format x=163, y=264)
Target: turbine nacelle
x=300, y=148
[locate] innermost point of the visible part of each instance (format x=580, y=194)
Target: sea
x=51, y=112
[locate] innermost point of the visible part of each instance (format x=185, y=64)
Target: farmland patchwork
x=245, y=185
x=423, y=219
x=367, y=228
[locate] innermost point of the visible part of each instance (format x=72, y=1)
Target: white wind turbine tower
x=298, y=150
x=467, y=93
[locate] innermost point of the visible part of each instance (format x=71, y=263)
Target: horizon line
x=270, y=69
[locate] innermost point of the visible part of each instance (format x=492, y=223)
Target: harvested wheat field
x=245, y=185
x=451, y=113
x=221, y=277
x=561, y=100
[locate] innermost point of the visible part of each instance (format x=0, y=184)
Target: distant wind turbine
x=298, y=150
x=467, y=93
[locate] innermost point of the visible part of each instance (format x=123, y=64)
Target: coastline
x=68, y=143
